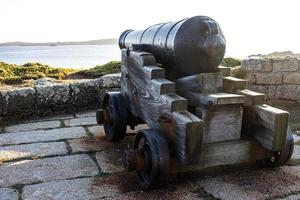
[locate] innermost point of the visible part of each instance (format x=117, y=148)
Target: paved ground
x=68, y=157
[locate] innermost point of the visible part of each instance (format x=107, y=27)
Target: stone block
x=53, y=95
x=292, y=78
x=250, y=78
x=290, y=92
x=269, y=78
x=269, y=90
x=41, y=136
x=32, y=126
x=14, y=152
x=8, y=194
x=85, y=93
x=287, y=64
x=18, y=101
x=109, y=81
x=47, y=169
x=233, y=85
x=81, y=121
x=257, y=64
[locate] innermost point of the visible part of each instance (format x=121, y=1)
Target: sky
x=249, y=26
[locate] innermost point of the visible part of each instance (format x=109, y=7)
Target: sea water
x=69, y=56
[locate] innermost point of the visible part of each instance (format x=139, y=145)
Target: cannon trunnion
x=197, y=117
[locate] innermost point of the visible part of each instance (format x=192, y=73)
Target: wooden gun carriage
x=198, y=116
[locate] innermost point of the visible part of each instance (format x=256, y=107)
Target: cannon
x=198, y=116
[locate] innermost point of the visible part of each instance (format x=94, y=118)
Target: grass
x=100, y=70
x=15, y=74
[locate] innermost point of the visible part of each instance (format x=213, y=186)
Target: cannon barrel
x=189, y=46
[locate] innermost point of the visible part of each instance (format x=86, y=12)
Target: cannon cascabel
x=189, y=46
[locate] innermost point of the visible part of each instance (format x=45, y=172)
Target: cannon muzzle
x=189, y=46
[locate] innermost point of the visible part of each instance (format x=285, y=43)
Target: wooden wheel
x=115, y=124
x=152, y=145
x=283, y=156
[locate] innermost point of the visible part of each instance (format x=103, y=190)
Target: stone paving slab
x=291, y=197
x=81, y=121
x=91, y=113
x=32, y=150
x=295, y=159
x=8, y=194
x=296, y=139
x=48, y=169
x=110, y=161
x=97, y=144
x=79, y=189
x=97, y=130
x=32, y=126
x=41, y=135
x=254, y=184
x=121, y=186
x=58, y=117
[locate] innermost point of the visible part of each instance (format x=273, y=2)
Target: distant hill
x=89, y=42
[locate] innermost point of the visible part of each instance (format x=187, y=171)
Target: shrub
x=14, y=74
x=100, y=70
x=230, y=62
x=238, y=72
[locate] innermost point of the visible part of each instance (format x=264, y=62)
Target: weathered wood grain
x=200, y=83
x=225, y=153
x=154, y=72
x=221, y=123
x=220, y=99
x=268, y=125
x=253, y=98
x=150, y=97
x=225, y=71
x=233, y=85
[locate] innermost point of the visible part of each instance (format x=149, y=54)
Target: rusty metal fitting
x=102, y=117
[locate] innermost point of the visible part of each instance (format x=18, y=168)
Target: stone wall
x=278, y=78
x=52, y=98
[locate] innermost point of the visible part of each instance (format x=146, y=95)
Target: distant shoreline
x=89, y=42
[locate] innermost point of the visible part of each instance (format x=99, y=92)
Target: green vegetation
x=230, y=62
x=235, y=65
x=238, y=72
x=100, y=70
x=16, y=74
x=13, y=74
